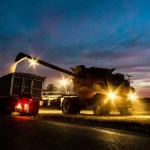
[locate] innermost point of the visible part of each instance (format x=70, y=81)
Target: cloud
x=68, y=33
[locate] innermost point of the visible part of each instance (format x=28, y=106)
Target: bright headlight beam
x=111, y=95
x=132, y=96
x=33, y=62
x=64, y=82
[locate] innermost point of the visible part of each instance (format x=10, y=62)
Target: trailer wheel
x=67, y=106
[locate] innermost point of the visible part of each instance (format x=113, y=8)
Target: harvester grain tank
x=20, y=92
x=93, y=87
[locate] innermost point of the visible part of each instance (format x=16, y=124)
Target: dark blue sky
x=66, y=33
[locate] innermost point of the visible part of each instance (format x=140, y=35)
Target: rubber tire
x=98, y=100
x=126, y=112
x=76, y=105
x=99, y=108
x=67, y=106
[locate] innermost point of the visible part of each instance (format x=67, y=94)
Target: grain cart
x=20, y=92
x=93, y=87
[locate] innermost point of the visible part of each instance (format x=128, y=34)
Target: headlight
x=111, y=95
x=132, y=96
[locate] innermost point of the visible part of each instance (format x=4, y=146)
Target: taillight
x=25, y=105
x=19, y=105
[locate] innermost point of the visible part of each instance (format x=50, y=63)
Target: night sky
x=66, y=33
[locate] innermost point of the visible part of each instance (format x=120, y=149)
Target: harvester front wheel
x=98, y=108
x=101, y=108
x=126, y=111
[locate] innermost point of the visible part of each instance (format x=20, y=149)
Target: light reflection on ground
x=137, y=114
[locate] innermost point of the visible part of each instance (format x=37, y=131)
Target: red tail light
x=19, y=105
x=25, y=105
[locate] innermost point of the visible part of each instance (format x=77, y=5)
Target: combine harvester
x=93, y=87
